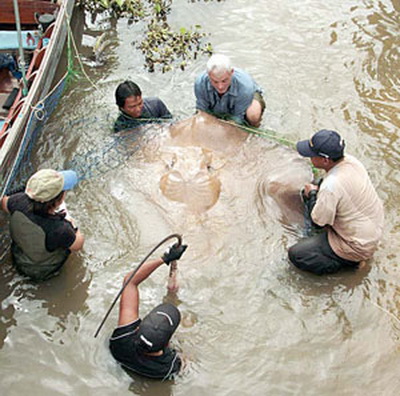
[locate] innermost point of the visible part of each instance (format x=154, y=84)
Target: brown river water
x=252, y=324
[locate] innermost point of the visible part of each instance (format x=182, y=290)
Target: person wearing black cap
x=142, y=345
x=42, y=236
x=345, y=204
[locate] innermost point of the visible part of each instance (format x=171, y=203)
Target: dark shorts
x=316, y=255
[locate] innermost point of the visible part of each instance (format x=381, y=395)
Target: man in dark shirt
x=142, y=345
x=42, y=236
x=135, y=110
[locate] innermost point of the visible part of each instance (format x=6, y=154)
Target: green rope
x=149, y=120
x=72, y=47
x=272, y=135
x=72, y=73
x=264, y=133
x=268, y=134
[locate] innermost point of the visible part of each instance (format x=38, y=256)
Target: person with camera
x=42, y=233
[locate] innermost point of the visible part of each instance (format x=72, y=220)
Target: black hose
x=179, y=237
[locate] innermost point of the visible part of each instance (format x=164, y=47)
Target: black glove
x=173, y=253
x=309, y=203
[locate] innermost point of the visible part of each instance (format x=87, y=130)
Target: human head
x=47, y=184
x=128, y=97
x=157, y=327
x=325, y=143
x=220, y=72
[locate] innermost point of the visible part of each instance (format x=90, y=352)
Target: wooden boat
x=44, y=27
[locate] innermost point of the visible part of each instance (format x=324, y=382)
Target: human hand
x=308, y=188
x=173, y=253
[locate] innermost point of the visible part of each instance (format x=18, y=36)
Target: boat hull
x=31, y=113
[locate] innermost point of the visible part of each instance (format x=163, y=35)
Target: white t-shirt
x=349, y=204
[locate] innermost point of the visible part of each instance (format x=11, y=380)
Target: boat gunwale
x=38, y=90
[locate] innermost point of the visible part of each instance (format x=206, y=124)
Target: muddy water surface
x=252, y=324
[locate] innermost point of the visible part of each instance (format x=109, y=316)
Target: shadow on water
x=147, y=387
x=7, y=310
x=59, y=296
x=67, y=292
x=313, y=285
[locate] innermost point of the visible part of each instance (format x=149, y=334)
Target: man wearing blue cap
x=345, y=204
x=42, y=235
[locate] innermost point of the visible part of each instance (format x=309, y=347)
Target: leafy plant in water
x=161, y=8
x=133, y=9
x=161, y=46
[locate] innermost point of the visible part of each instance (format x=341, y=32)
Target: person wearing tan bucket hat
x=42, y=233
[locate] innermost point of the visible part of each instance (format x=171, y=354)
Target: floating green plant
x=165, y=47
x=161, y=46
x=133, y=9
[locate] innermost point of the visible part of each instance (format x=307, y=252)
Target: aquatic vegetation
x=130, y=8
x=163, y=47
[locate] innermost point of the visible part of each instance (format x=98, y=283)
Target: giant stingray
x=199, y=147
x=202, y=150
x=213, y=183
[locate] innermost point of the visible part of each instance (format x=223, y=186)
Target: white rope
x=77, y=52
x=384, y=310
x=39, y=106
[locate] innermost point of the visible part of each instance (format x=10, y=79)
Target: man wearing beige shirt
x=345, y=204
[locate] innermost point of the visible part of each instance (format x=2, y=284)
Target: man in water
x=135, y=110
x=345, y=204
x=142, y=345
x=230, y=92
x=42, y=234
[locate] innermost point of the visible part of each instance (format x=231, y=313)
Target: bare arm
x=4, y=201
x=129, y=302
x=78, y=243
x=172, y=285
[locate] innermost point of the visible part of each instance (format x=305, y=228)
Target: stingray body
x=203, y=153
x=278, y=190
x=205, y=131
x=198, y=148
x=191, y=180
